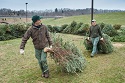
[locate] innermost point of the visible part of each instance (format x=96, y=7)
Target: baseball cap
x=35, y=18
x=93, y=20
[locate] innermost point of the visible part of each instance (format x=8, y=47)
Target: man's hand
x=21, y=51
x=101, y=38
x=88, y=38
x=51, y=46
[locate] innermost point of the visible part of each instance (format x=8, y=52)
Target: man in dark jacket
x=41, y=39
x=94, y=35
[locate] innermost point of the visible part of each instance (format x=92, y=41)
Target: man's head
x=93, y=22
x=36, y=20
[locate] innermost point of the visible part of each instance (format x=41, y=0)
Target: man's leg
x=41, y=57
x=38, y=56
x=94, y=42
x=44, y=64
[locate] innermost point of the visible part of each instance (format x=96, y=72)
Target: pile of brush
x=104, y=46
x=67, y=56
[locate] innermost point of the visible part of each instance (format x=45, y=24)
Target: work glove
x=21, y=51
x=50, y=46
x=88, y=38
x=101, y=38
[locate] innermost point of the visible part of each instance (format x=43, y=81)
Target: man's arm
x=100, y=33
x=89, y=33
x=48, y=37
x=25, y=38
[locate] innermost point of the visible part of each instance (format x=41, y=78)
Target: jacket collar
x=36, y=27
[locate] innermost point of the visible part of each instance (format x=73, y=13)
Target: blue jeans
x=94, y=42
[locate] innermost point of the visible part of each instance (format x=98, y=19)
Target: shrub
x=105, y=46
x=12, y=31
x=56, y=28
x=50, y=28
x=88, y=44
x=122, y=31
x=2, y=29
x=117, y=26
x=17, y=30
x=77, y=27
x=102, y=25
x=73, y=27
x=70, y=28
x=67, y=29
x=73, y=24
x=6, y=37
x=109, y=30
x=63, y=27
x=120, y=38
x=83, y=29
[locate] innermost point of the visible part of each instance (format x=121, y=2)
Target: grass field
x=103, y=68
x=109, y=18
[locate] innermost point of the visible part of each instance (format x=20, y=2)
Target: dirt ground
x=118, y=45
x=13, y=20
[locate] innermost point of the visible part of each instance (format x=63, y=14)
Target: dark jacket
x=40, y=37
x=95, y=31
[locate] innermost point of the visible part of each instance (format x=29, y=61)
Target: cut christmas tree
x=67, y=56
x=104, y=46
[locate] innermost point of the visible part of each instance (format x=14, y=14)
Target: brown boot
x=46, y=75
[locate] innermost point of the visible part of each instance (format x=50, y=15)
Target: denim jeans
x=41, y=57
x=94, y=42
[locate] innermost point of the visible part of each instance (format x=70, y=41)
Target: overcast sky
x=52, y=4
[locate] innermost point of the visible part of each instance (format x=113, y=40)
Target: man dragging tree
x=94, y=36
x=40, y=36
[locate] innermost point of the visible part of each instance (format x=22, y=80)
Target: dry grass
x=16, y=68
x=14, y=20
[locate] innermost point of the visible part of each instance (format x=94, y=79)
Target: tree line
x=57, y=12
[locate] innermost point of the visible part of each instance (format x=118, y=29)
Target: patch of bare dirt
x=13, y=20
x=118, y=45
